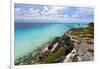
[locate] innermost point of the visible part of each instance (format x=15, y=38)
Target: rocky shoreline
x=76, y=45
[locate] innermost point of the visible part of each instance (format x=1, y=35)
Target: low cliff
x=57, y=50
x=76, y=45
x=83, y=44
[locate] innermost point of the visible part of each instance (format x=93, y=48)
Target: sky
x=53, y=14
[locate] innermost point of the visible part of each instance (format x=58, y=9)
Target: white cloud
x=44, y=10
x=18, y=9
x=82, y=11
x=26, y=14
x=55, y=9
x=50, y=13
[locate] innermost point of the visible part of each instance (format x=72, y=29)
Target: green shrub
x=91, y=24
x=54, y=56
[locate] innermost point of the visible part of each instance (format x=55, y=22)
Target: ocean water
x=29, y=36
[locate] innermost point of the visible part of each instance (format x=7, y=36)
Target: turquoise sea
x=29, y=36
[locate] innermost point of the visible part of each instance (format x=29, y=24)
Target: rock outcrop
x=58, y=43
x=83, y=44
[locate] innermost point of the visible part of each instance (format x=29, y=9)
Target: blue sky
x=50, y=13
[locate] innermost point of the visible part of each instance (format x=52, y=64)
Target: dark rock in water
x=17, y=62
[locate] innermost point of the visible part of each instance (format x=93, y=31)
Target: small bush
x=54, y=56
x=91, y=24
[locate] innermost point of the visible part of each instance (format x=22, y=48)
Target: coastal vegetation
x=54, y=56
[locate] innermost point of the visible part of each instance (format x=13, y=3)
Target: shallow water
x=29, y=36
